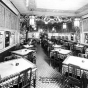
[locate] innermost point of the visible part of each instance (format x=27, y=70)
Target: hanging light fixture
x=64, y=26
x=32, y=20
x=76, y=22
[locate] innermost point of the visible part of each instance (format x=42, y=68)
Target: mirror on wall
x=86, y=38
x=12, y=38
x=1, y=40
x=7, y=38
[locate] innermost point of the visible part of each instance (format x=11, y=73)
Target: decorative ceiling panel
x=61, y=4
x=52, y=7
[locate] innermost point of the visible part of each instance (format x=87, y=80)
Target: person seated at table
x=34, y=42
x=29, y=42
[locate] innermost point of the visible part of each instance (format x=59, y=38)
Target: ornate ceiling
x=52, y=7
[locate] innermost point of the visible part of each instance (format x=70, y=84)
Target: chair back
x=63, y=37
x=72, y=47
x=64, y=69
x=24, y=79
x=10, y=57
x=74, y=70
x=85, y=78
x=73, y=77
x=55, y=54
x=83, y=55
x=86, y=50
x=10, y=81
x=66, y=37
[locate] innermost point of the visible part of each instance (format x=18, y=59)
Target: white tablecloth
x=22, y=52
x=57, y=46
x=28, y=46
x=80, y=46
x=78, y=61
x=9, y=67
x=50, y=42
x=62, y=51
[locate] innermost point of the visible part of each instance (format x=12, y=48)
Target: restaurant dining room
x=43, y=43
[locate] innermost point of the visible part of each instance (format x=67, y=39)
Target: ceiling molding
x=10, y=5
x=54, y=10
x=61, y=13
x=82, y=11
x=85, y=16
x=32, y=9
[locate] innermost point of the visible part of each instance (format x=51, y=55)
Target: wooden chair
x=10, y=57
x=66, y=37
x=62, y=56
x=58, y=61
x=86, y=50
x=19, y=46
x=32, y=57
x=52, y=59
x=63, y=75
x=50, y=47
x=83, y=55
x=73, y=78
x=85, y=79
x=65, y=45
x=72, y=47
x=24, y=78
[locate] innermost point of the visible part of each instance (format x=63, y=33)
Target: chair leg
x=34, y=81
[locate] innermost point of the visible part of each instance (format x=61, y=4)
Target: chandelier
x=52, y=19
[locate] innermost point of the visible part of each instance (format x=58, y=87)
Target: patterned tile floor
x=47, y=76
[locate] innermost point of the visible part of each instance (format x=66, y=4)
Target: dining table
x=9, y=71
x=75, y=61
x=25, y=53
x=78, y=61
x=22, y=52
x=63, y=53
x=57, y=46
x=79, y=47
x=28, y=46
